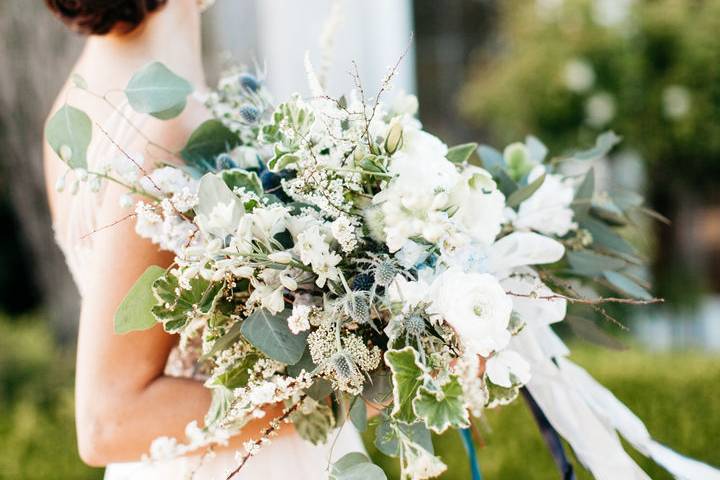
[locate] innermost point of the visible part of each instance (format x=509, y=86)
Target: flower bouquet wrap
x=333, y=256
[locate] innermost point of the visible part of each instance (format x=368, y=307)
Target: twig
x=588, y=301
x=116, y=222
x=266, y=432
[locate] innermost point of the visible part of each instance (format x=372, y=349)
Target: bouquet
x=332, y=255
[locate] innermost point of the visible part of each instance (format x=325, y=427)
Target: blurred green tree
x=566, y=70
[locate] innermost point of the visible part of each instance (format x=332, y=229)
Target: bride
x=131, y=389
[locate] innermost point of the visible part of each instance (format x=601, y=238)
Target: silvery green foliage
x=333, y=251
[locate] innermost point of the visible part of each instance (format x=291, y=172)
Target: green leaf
x=587, y=330
x=606, y=238
x=156, y=90
x=356, y=466
x=171, y=112
x=313, y=425
x=492, y=160
x=238, y=375
x=271, y=335
x=135, y=311
x=407, y=376
x=358, y=414
x=461, y=153
x=519, y=196
x=589, y=263
x=626, y=285
x=442, y=409
x=240, y=178
x=69, y=132
x=604, y=143
x=78, y=81
x=387, y=436
x=208, y=141
x=584, y=194
x=174, y=310
x=221, y=401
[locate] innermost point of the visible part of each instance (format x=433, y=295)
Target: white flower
x=419, y=144
x=421, y=464
x=267, y=296
x=507, y=369
x=480, y=205
x=599, y=109
x=343, y=229
x=477, y=308
x=262, y=393
x=219, y=210
x=522, y=248
x=282, y=258
x=415, y=202
x=326, y=269
x=411, y=254
x=548, y=209
x=268, y=221
x=578, y=75
x=405, y=104
x=245, y=157
x=299, y=320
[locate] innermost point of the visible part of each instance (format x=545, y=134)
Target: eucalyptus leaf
x=358, y=414
x=607, y=239
x=135, y=311
x=270, y=334
x=78, y=81
x=69, y=132
x=603, y=144
x=407, y=377
x=314, y=425
x=356, y=466
x=461, y=153
x=156, y=90
x=492, y=160
x=587, y=330
x=584, y=194
x=626, y=285
x=208, y=141
x=589, y=263
x=237, y=376
x=522, y=194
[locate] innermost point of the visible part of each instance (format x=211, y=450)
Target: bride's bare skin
x=123, y=399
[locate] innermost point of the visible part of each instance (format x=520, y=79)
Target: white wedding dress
x=287, y=457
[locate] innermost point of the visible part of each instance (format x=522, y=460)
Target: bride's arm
x=123, y=399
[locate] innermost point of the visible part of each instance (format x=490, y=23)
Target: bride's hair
x=98, y=17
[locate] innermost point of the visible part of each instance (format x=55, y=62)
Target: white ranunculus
x=415, y=202
x=480, y=205
x=548, y=209
x=475, y=306
x=508, y=368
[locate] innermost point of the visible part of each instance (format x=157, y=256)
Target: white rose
x=420, y=144
x=477, y=308
x=548, y=209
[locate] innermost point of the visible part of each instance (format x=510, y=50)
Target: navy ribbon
x=466, y=435
x=551, y=437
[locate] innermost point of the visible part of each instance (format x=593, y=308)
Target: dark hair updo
x=98, y=17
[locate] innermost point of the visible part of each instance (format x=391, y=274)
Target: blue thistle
x=249, y=113
x=249, y=82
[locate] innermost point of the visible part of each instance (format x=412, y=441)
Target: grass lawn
x=678, y=396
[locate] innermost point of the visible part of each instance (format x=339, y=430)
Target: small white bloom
x=281, y=257
x=126, y=201
x=299, y=320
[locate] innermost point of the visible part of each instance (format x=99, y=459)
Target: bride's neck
x=171, y=36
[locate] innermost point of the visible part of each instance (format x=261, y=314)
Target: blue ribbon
x=551, y=437
x=466, y=435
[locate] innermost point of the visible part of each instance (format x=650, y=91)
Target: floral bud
x=281, y=257
x=65, y=153
x=394, y=137
x=60, y=184
x=288, y=282
x=249, y=82
x=126, y=201
x=81, y=174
